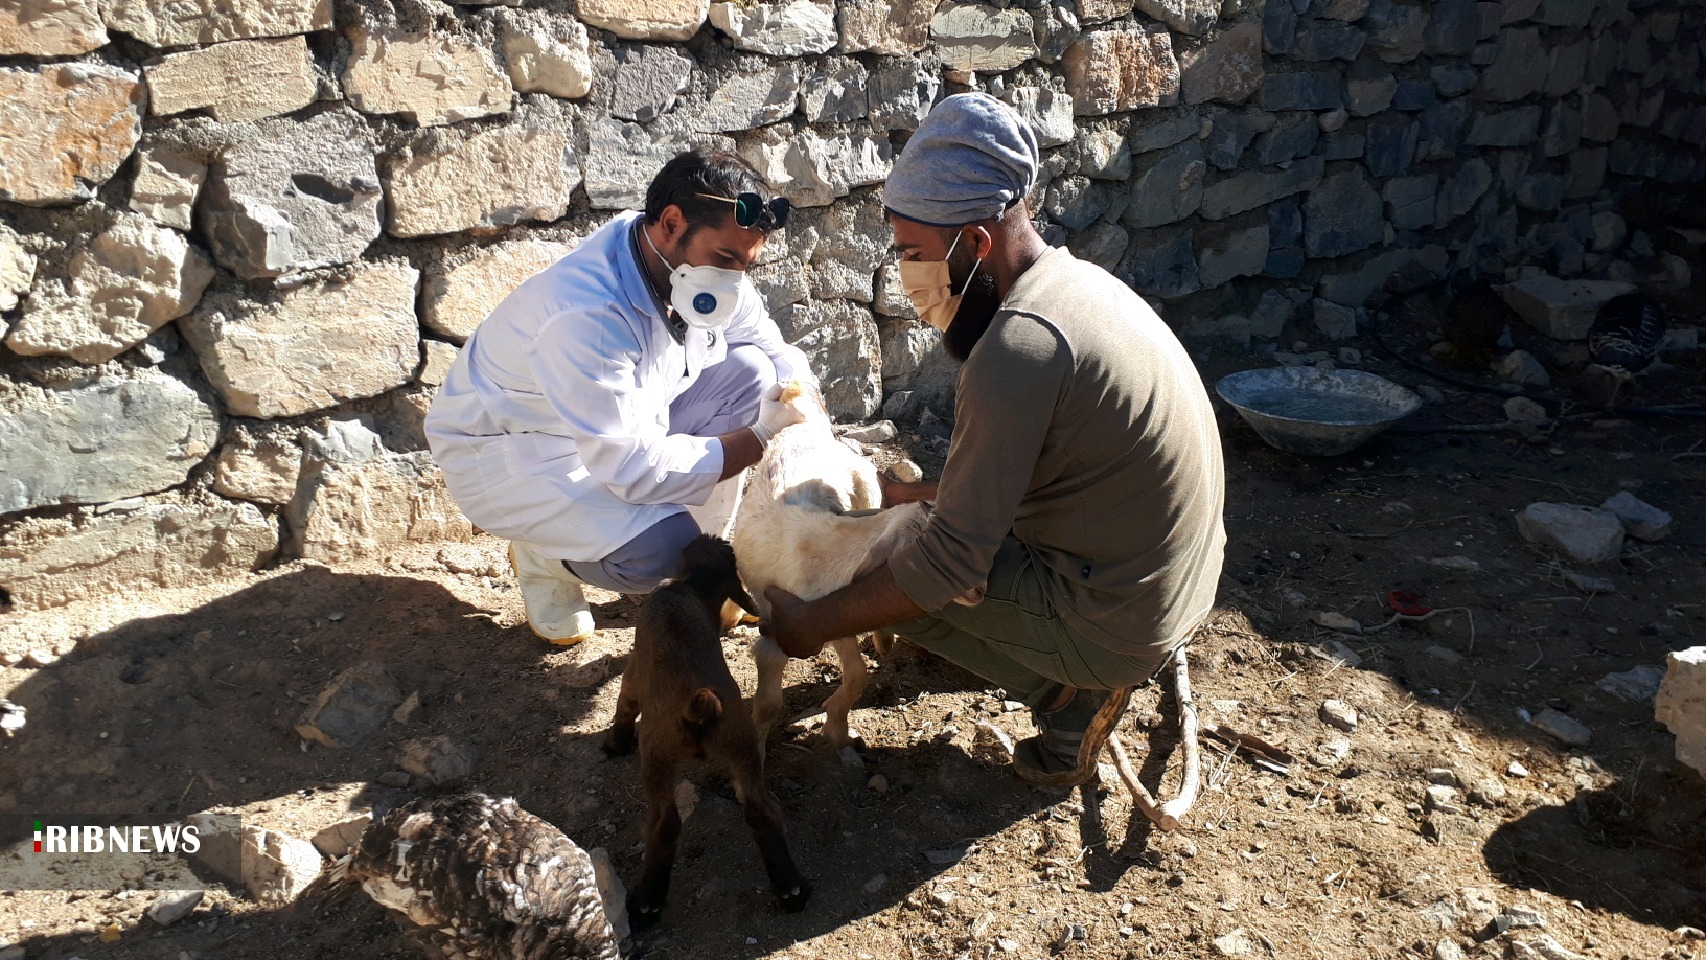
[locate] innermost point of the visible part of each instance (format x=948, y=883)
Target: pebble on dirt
x=1681, y=704
x=1635, y=685
x=1641, y=520
x=1569, y=731
x=440, y=761
x=1235, y=944
x=1337, y=713
x=907, y=472
x=339, y=838
x=1524, y=410
x=352, y=707
x=173, y=906
x=991, y=744
x=1584, y=534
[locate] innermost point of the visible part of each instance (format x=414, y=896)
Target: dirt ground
x=184, y=701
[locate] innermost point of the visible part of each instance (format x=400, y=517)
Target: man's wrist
x=763, y=433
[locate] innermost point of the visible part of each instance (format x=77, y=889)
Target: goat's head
x=804, y=396
x=708, y=566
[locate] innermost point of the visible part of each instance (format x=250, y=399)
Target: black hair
x=699, y=171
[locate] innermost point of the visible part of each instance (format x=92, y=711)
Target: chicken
x=483, y=879
x=1624, y=339
x=1476, y=321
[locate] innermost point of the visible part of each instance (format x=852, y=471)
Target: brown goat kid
x=678, y=680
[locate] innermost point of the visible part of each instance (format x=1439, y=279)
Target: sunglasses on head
x=752, y=211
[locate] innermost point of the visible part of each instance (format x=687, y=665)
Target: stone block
x=1077, y=202
x=812, y=170
x=1335, y=321
x=430, y=76
x=897, y=29
x=1600, y=121
x=1225, y=254
x=164, y=544
x=1319, y=90
x=1453, y=79
x=259, y=468
x=1342, y=215
x=1567, y=66
x=1279, y=28
x=1103, y=154
x=152, y=431
x=1566, y=13
x=1112, y=71
x=1228, y=68
x=780, y=30
x=1459, y=192
x=124, y=283
x=1293, y=136
x=1563, y=133
x=1187, y=16
x=1256, y=188
x=240, y=80
x=64, y=130
x=901, y=94
x=1349, y=11
x=166, y=185
x=1104, y=245
x=353, y=511
x=1162, y=263
x=183, y=23
x=311, y=347
x=351, y=708
x=1328, y=41
x=50, y=28
x=17, y=270
x=1396, y=30
x=1443, y=129
x=646, y=19
x=1563, y=309
x=1587, y=173
x=1395, y=270
x=841, y=341
x=975, y=37
x=455, y=299
x=494, y=178
x=837, y=91
x=1415, y=94
x=1540, y=192
x=546, y=54
x=293, y=198
x=1681, y=704
x=1159, y=133
x=1342, y=145
x=622, y=158
x=1391, y=145
x=1049, y=113
x=1410, y=201
x=1520, y=68
x=1365, y=97
x=1452, y=29
x=647, y=81
x=1583, y=534
x=1641, y=520
x=1506, y=128
x=1166, y=187
x=747, y=99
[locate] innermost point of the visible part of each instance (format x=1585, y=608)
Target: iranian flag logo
x=38, y=836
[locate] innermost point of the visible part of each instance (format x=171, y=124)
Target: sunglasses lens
x=779, y=210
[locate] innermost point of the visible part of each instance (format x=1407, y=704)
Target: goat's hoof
x=619, y=744
x=794, y=899
x=642, y=913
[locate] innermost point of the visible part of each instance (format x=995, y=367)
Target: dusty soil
x=184, y=701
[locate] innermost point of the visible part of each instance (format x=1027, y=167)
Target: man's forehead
x=908, y=234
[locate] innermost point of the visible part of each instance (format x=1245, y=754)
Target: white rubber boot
x=556, y=605
x=716, y=516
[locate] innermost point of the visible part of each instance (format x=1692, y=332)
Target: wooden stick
x=1095, y=738
x=1177, y=807
x=1140, y=795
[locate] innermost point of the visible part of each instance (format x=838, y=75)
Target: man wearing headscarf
x=1083, y=490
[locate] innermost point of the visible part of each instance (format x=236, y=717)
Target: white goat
x=794, y=531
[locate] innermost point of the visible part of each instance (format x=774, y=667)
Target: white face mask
x=704, y=297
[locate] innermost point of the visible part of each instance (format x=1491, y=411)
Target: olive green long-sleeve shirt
x=1083, y=430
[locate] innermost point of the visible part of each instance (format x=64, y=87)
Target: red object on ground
x=1407, y=603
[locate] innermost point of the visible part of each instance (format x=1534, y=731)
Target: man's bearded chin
x=971, y=320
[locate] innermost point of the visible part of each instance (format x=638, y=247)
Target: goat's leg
x=663, y=829
x=767, y=705
x=764, y=816
x=622, y=737
x=854, y=676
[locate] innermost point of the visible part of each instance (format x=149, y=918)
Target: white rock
x=646, y=19
x=547, y=55
x=276, y=866
x=783, y=30
x=1524, y=410
x=432, y=77
x=65, y=129
x=50, y=28
x=973, y=37
x=1524, y=918
x=1635, y=685
x=341, y=837
x=260, y=469
x=17, y=270
x=1563, y=309
x=346, y=512
x=991, y=744
x=1542, y=948
x=1235, y=944
x=1516, y=770
x=1584, y=534
x=173, y=906
x=180, y=23
x=166, y=186
x=1568, y=730
x=1048, y=112
x=1681, y=704
x=1337, y=713
x=127, y=282
x=879, y=432
x=312, y=347
x=1641, y=520
x=494, y=178
x=1447, y=950
x=437, y=358
x=241, y=80
x=906, y=472
x=455, y=300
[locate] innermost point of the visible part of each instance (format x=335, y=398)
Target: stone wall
x=240, y=240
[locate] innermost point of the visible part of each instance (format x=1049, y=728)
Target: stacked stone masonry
x=242, y=240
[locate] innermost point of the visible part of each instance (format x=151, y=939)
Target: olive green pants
x=1016, y=639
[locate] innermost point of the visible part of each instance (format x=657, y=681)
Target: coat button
x=1086, y=571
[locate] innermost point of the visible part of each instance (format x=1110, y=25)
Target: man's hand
x=896, y=492
x=789, y=625
x=773, y=414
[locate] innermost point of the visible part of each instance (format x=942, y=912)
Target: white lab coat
x=552, y=426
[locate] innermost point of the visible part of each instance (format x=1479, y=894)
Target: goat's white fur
x=793, y=532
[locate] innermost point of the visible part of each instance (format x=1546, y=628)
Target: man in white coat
x=601, y=416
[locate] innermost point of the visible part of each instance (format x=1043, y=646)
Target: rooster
x=1624, y=339
x=483, y=879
